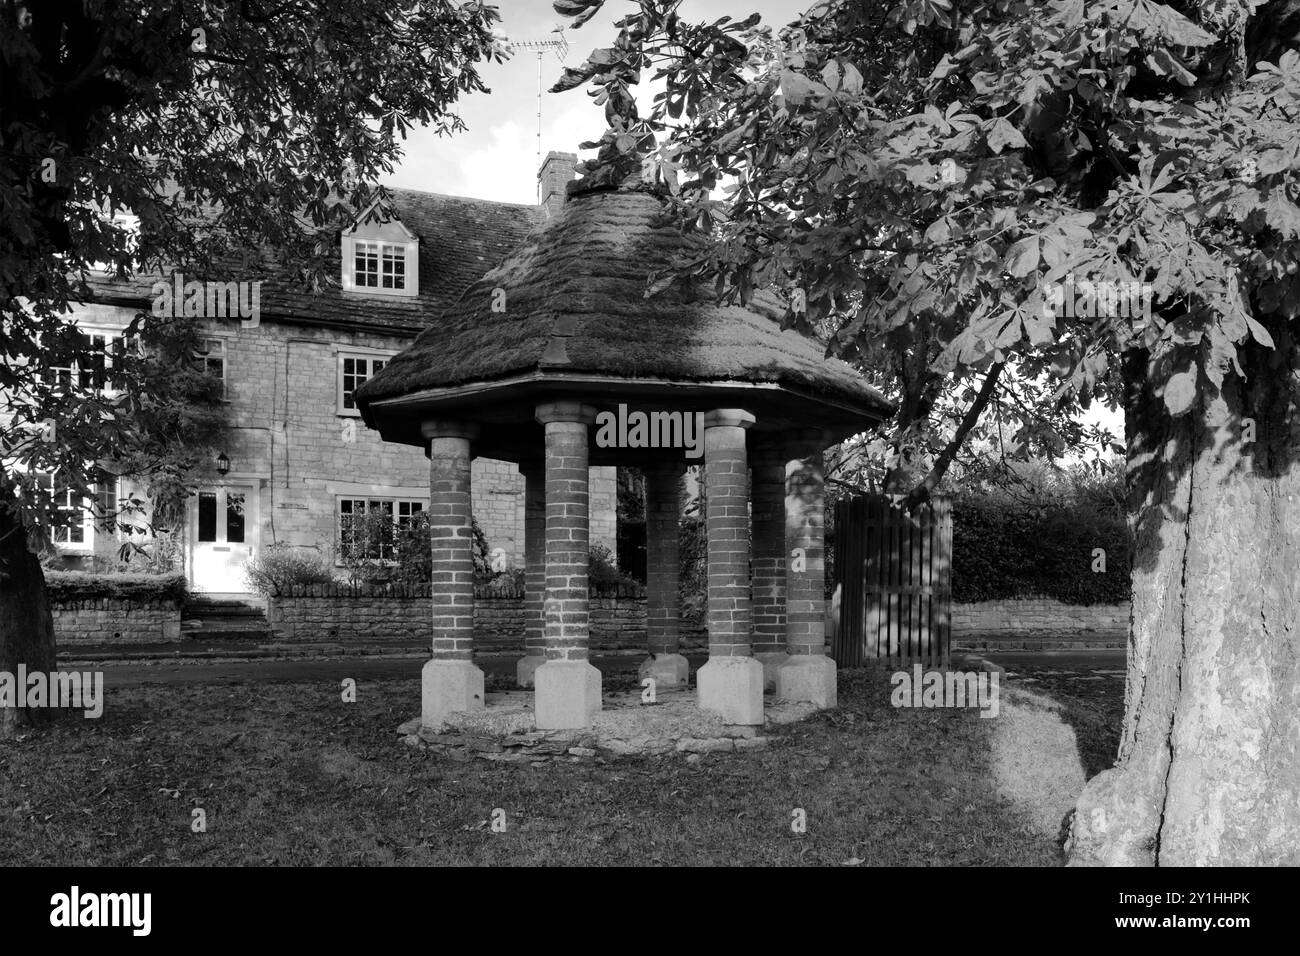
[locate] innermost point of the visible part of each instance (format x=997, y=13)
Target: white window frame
x=224, y=355
x=386, y=260
x=392, y=234
x=370, y=357
x=108, y=335
x=411, y=507
x=87, y=543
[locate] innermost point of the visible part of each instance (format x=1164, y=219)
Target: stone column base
x=808, y=677
x=733, y=688
x=668, y=670
x=566, y=695
x=771, y=661
x=526, y=668
x=448, y=687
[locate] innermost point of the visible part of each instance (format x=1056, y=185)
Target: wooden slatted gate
x=893, y=583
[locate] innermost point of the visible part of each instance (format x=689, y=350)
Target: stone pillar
x=534, y=572
x=809, y=675
x=731, y=682
x=566, y=686
x=770, y=560
x=450, y=682
x=663, y=509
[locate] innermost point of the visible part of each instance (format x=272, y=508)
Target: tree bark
x=1208, y=771
x=26, y=624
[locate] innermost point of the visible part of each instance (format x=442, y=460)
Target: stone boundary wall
x=116, y=620
x=401, y=613
x=395, y=614
x=1038, y=622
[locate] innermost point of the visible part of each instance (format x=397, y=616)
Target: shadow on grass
x=288, y=774
x=1092, y=704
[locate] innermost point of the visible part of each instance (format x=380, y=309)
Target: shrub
x=602, y=572
x=79, y=585
x=693, y=557
x=278, y=566
x=509, y=581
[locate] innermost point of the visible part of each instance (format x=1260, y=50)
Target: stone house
x=297, y=463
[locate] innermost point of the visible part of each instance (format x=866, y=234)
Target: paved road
x=136, y=673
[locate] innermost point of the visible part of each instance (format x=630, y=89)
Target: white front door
x=223, y=534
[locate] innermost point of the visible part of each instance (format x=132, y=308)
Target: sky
x=496, y=157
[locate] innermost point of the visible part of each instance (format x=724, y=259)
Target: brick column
x=731, y=682
x=566, y=686
x=767, y=590
x=663, y=509
x=809, y=675
x=534, y=572
x=450, y=682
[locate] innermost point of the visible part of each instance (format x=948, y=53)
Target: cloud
x=499, y=162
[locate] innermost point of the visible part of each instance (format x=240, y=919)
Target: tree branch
x=923, y=491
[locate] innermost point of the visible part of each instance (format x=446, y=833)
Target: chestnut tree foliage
x=915, y=175
x=919, y=177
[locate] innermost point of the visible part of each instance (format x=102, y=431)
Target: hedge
x=1001, y=552
x=80, y=585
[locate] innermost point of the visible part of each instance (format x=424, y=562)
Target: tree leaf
x=1259, y=333
x=1022, y=257
x=796, y=88
x=1282, y=214
x=1002, y=135
x=1164, y=63
x=938, y=231
x=831, y=75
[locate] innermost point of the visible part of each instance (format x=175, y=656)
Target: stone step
x=233, y=612
x=226, y=623
x=226, y=601
x=225, y=617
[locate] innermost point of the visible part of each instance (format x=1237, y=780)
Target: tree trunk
x=1208, y=771
x=26, y=625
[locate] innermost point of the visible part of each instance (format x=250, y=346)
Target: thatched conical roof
x=571, y=303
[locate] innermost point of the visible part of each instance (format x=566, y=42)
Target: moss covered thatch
x=574, y=302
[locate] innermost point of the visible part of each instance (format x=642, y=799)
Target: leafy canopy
x=222, y=129
x=922, y=176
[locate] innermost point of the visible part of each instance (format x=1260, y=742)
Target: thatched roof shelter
x=545, y=346
x=567, y=316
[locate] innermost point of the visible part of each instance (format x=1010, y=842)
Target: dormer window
x=379, y=265
x=380, y=255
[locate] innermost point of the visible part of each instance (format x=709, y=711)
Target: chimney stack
x=557, y=172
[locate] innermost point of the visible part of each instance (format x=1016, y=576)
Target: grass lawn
x=288, y=774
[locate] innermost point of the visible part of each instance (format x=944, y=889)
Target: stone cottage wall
x=286, y=438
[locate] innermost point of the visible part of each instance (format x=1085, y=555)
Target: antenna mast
x=561, y=48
